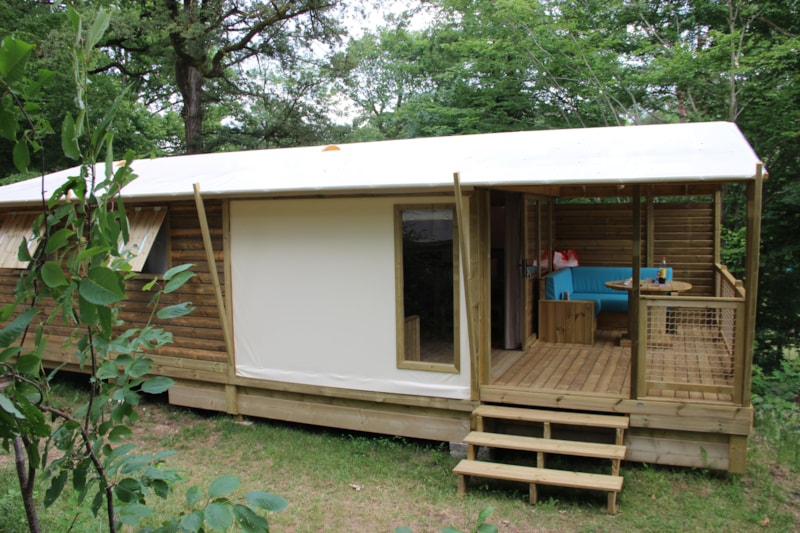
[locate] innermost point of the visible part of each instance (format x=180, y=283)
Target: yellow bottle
x=662, y=272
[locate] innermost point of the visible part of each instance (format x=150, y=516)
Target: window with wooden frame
x=427, y=287
x=16, y=227
x=148, y=240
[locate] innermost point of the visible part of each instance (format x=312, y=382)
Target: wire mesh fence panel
x=690, y=350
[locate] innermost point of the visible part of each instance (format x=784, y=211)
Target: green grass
x=340, y=481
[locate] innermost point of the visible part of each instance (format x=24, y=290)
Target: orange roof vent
x=331, y=148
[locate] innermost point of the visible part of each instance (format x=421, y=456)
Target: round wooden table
x=650, y=287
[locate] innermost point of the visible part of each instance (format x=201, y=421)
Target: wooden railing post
x=752, y=254
x=638, y=362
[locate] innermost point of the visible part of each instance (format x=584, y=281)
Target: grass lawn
x=341, y=481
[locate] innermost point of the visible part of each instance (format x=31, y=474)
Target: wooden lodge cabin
x=357, y=293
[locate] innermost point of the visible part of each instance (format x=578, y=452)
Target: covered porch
x=684, y=385
x=690, y=349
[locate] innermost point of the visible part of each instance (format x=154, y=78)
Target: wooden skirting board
x=386, y=418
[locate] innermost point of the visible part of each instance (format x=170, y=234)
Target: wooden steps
x=560, y=447
x=540, y=475
x=557, y=417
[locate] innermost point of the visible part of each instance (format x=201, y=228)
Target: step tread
x=544, y=476
x=560, y=417
x=537, y=444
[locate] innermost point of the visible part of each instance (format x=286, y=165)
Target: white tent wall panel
x=313, y=290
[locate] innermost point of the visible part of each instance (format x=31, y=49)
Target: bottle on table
x=662, y=272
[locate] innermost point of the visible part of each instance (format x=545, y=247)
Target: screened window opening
x=428, y=329
x=14, y=228
x=148, y=240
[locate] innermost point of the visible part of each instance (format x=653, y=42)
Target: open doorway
x=520, y=234
x=508, y=269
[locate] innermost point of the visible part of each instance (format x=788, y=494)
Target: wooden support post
x=717, y=227
x=752, y=257
x=230, y=390
x=612, y=502
x=650, y=228
x=472, y=452
x=462, y=484
x=637, y=354
x=468, y=285
x=546, y=433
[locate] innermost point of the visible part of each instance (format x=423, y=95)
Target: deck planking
x=604, y=368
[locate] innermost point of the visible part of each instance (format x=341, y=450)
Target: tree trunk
x=190, y=83
x=26, y=484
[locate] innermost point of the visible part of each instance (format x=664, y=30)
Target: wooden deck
x=689, y=367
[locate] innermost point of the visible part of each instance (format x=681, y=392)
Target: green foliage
x=216, y=510
x=77, y=276
x=775, y=397
x=18, y=101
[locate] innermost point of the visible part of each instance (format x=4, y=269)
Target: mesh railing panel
x=691, y=346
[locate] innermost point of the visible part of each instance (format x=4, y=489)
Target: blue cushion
x=558, y=283
x=589, y=283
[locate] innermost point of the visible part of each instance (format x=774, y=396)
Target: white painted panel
x=313, y=286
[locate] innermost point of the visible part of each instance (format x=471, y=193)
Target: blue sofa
x=588, y=283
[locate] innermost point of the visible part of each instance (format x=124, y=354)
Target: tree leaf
x=8, y=124
x=88, y=311
x=53, y=276
x=10, y=352
x=131, y=514
x=194, y=495
x=21, y=155
x=192, y=521
x=99, y=27
x=175, y=311
x=249, y=521
x=58, y=240
x=223, y=485
x=139, y=367
x=23, y=254
x=119, y=433
x=29, y=364
x=10, y=333
x=69, y=138
x=128, y=490
x=177, y=270
x=177, y=281
x=157, y=385
x=161, y=488
x=79, y=477
x=13, y=59
x=102, y=287
x=98, y=500
x=56, y=486
x=219, y=516
x=266, y=501
x=7, y=310
x=8, y=406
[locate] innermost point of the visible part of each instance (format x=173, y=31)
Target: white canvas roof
x=694, y=152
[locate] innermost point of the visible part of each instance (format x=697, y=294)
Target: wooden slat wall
x=683, y=233
x=197, y=336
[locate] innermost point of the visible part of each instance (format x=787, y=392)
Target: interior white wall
x=313, y=290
